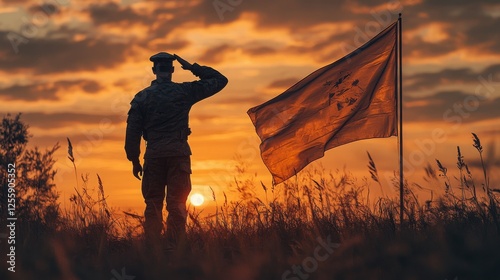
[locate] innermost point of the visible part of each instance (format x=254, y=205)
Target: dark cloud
x=170, y=46
x=290, y=13
x=62, y=54
x=49, y=90
x=215, y=54
x=492, y=69
x=454, y=107
x=112, y=13
x=47, y=8
x=483, y=36
x=161, y=26
x=320, y=48
x=29, y=92
x=427, y=80
x=418, y=48
x=56, y=120
x=159, y=22
x=259, y=50
x=14, y=1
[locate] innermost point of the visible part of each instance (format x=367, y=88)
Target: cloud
x=67, y=119
x=14, y=1
x=260, y=50
x=426, y=80
x=483, y=35
x=450, y=106
x=112, y=13
x=289, y=13
x=215, y=54
x=47, y=8
x=418, y=48
x=48, y=90
x=62, y=54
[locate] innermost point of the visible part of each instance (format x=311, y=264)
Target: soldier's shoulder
x=140, y=96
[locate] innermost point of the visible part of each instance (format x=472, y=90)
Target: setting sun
x=197, y=199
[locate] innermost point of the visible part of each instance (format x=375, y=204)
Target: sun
x=197, y=199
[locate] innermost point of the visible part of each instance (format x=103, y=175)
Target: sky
x=72, y=67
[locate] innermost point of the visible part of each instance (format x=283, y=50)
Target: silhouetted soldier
x=159, y=113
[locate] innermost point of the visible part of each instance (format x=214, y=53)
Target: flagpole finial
x=399, y=15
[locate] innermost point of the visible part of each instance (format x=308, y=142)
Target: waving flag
x=351, y=99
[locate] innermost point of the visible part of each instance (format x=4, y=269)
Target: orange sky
x=72, y=68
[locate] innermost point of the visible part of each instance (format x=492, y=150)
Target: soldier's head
x=163, y=65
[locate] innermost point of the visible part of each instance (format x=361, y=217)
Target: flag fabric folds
x=351, y=99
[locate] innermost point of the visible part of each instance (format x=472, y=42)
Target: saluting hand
x=185, y=65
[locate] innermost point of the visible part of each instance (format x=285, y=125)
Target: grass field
x=319, y=226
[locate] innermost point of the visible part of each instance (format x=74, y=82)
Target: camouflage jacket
x=160, y=114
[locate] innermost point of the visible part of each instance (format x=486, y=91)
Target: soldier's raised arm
x=211, y=81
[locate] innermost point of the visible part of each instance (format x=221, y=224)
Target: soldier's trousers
x=174, y=173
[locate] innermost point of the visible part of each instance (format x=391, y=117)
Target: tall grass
x=261, y=237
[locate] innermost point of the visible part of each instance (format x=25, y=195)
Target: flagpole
x=400, y=105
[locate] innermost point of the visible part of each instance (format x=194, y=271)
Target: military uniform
x=160, y=114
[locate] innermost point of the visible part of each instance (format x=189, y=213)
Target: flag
x=351, y=99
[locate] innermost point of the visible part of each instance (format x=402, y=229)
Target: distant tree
x=36, y=197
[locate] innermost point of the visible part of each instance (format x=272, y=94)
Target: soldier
x=160, y=114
